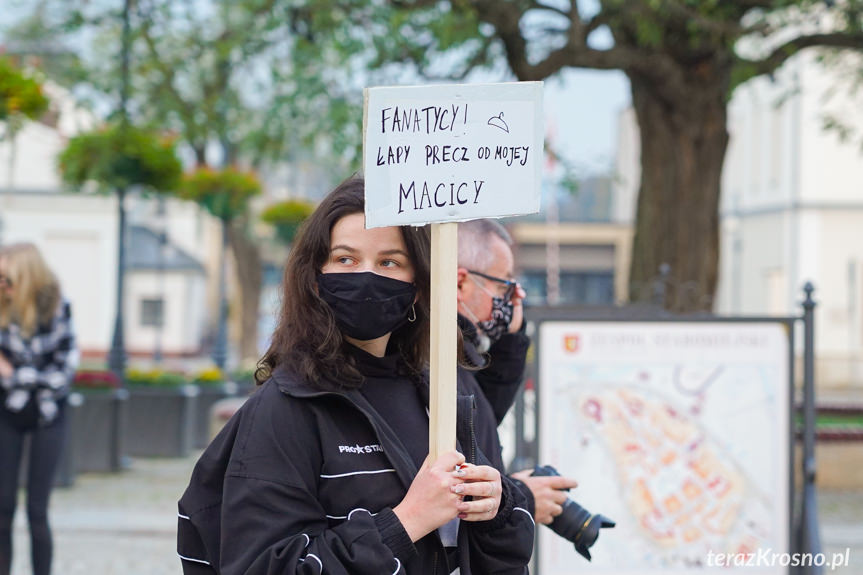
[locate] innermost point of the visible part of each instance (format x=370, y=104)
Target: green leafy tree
x=216, y=72
x=221, y=72
x=31, y=39
x=262, y=77
x=683, y=59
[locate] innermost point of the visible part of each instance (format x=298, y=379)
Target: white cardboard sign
x=448, y=153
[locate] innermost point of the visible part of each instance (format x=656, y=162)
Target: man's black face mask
x=366, y=305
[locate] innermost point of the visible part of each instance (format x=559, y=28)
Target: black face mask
x=366, y=305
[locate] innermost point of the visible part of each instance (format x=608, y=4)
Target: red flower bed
x=96, y=380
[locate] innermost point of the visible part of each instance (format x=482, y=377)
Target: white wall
x=28, y=161
x=627, y=169
x=77, y=237
x=831, y=170
x=183, y=311
x=793, y=195
x=759, y=171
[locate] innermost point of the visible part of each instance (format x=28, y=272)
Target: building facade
x=166, y=297
x=791, y=208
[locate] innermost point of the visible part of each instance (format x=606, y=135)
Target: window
x=152, y=312
x=576, y=288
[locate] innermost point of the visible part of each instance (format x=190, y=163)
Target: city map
x=678, y=432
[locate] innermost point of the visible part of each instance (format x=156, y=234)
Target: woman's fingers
x=482, y=484
x=479, y=473
x=479, y=509
x=449, y=460
x=477, y=489
x=430, y=501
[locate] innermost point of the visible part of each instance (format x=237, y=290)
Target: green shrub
x=114, y=157
x=286, y=217
x=224, y=193
x=20, y=94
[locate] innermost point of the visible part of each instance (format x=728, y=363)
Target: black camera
x=575, y=524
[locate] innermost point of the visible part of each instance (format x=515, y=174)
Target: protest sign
x=443, y=154
x=452, y=153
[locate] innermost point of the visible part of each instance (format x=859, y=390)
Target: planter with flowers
x=98, y=423
x=286, y=218
x=213, y=387
x=162, y=413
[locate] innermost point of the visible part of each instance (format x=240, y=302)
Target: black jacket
x=500, y=372
x=499, y=375
x=304, y=481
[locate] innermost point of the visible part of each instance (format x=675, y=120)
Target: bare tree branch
x=477, y=59
x=785, y=51
x=505, y=17
x=599, y=20
x=746, y=5
x=536, y=5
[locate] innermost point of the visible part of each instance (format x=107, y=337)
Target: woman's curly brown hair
x=307, y=340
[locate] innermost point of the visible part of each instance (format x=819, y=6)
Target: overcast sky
x=581, y=114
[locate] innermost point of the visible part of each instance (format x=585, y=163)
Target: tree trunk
x=683, y=144
x=247, y=258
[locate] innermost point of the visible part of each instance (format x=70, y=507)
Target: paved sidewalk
x=125, y=524
x=841, y=515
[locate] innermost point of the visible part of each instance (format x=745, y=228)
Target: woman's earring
x=412, y=316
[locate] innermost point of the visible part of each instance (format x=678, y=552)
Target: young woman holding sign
x=325, y=468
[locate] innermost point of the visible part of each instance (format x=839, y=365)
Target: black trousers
x=46, y=447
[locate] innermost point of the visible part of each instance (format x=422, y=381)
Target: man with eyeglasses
x=491, y=318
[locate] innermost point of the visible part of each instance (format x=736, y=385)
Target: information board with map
x=679, y=432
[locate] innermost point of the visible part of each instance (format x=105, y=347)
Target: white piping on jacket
x=376, y=471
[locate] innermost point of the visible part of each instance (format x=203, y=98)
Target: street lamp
x=220, y=347
x=117, y=355
x=162, y=232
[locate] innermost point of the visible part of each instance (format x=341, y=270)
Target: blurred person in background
x=38, y=358
x=491, y=318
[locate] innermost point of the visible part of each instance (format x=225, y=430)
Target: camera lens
x=575, y=523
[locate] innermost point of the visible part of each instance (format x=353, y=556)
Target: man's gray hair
x=473, y=238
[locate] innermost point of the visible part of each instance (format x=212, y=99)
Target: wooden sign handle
x=444, y=338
